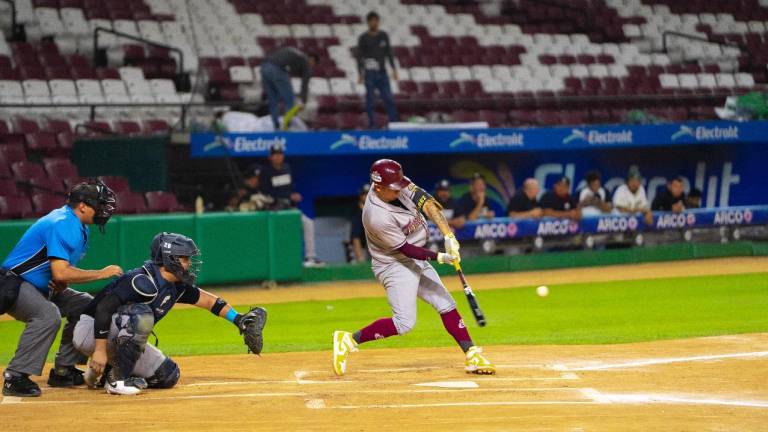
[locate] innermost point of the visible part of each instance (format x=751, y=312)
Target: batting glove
x=452, y=247
x=444, y=258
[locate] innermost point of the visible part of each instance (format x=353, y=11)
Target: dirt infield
x=715, y=383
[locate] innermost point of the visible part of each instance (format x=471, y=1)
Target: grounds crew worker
x=34, y=281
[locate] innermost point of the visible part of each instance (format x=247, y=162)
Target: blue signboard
x=511, y=229
x=476, y=141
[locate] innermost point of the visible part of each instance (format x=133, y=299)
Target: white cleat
x=343, y=344
x=477, y=363
x=129, y=387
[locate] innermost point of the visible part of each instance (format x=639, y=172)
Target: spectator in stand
x=630, y=197
x=357, y=232
x=277, y=182
x=672, y=198
x=593, y=198
x=474, y=204
x=443, y=196
x=693, y=199
x=277, y=68
x=524, y=204
x=559, y=203
x=373, y=49
x=251, y=196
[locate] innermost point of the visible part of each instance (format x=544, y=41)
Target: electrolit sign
x=489, y=140
x=704, y=133
x=244, y=144
x=596, y=137
x=371, y=143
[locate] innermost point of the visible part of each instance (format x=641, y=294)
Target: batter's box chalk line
x=657, y=361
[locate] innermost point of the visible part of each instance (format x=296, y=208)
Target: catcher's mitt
x=251, y=326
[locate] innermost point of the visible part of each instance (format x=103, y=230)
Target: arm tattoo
x=434, y=213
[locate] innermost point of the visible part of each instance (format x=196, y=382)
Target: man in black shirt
x=670, y=199
x=251, y=196
x=276, y=71
x=474, y=204
x=559, y=203
x=444, y=198
x=693, y=199
x=277, y=182
x=524, y=203
x=372, y=49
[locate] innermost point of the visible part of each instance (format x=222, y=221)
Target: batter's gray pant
x=42, y=320
x=404, y=281
x=84, y=341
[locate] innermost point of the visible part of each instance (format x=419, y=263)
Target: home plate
x=450, y=384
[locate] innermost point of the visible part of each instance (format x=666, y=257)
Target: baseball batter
x=396, y=229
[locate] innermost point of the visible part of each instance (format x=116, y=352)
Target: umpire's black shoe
x=66, y=377
x=21, y=386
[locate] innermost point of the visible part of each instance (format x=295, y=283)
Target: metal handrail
x=668, y=33
x=100, y=29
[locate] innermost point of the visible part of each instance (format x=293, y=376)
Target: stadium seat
x=131, y=203
x=44, y=203
x=12, y=153
x=14, y=207
x=60, y=168
x=116, y=183
x=161, y=202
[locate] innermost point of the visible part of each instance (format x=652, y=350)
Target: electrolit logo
x=368, y=142
x=485, y=140
x=243, y=144
x=595, y=137
x=703, y=133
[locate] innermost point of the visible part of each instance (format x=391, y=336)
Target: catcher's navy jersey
x=146, y=285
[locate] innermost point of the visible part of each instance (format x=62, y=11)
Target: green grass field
x=594, y=313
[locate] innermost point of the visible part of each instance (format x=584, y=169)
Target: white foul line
x=7, y=400
x=665, y=399
x=463, y=404
x=668, y=360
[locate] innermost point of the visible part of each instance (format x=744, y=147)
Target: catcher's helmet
x=388, y=173
x=166, y=249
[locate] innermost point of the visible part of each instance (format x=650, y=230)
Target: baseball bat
x=471, y=298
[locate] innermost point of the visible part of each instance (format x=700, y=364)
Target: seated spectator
x=357, y=232
x=524, y=204
x=474, y=204
x=672, y=198
x=630, y=197
x=277, y=182
x=592, y=199
x=559, y=203
x=443, y=196
x=693, y=199
x=251, y=196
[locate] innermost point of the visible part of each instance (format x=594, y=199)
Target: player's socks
x=378, y=329
x=454, y=324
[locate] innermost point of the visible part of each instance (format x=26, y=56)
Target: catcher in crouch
x=114, y=328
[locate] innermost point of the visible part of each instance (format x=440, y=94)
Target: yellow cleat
x=343, y=344
x=477, y=363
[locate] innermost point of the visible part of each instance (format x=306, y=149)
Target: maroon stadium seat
x=56, y=126
x=161, y=202
x=14, y=207
x=60, y=168
x=156, y=126
x=42, y=142
x=116, y=183
x=128, y=127
x=44, y=203
x=25, y=171
x=12, y=153
x=25, y=126
x=8, y=186
x=46, y=185
x=131, y=202
x=65, y=140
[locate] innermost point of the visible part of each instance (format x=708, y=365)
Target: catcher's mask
x=167, y=249
x=96, y=195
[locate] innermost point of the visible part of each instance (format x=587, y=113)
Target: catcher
x=114, y=328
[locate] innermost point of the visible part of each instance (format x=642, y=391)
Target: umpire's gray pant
x=145, y=367
x=42, y=320
x=407, y=280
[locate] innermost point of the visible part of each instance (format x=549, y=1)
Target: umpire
x=34, y=281
x=373, y=49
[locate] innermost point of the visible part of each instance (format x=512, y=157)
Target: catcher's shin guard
x=134, y=323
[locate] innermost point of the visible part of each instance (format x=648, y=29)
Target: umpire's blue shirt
x=59, y=234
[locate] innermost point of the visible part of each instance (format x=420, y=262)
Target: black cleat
x=21, y=386
x=71, y=377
